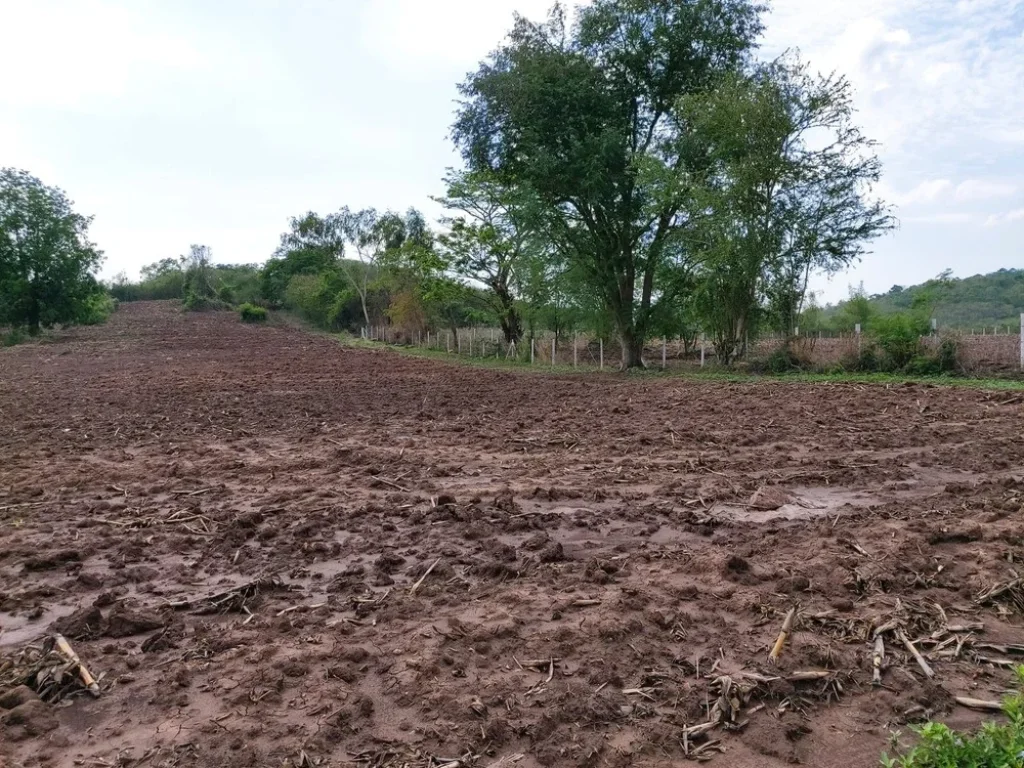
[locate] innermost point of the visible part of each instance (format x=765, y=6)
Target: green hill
x=995, y=299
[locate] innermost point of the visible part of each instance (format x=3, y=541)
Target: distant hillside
x=995, y=299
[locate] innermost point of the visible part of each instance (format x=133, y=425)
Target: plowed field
x=276, y=550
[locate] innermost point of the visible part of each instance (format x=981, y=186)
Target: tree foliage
x=786, y=192
x=47, y=262
x=495, y=229
x=585, y=116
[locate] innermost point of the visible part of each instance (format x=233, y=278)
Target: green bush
x=923, y=365
x=226, y=294
x=13, y=337
x=899, y=337
x=948, y=356
x=252, y=314
x=995, y=745
x=867, y=360
x=195, y=302
x=96, y=309
x=783, y=360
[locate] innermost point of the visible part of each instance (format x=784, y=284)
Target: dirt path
x=603, y=552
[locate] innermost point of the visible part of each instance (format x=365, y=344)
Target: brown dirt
x=239, y=515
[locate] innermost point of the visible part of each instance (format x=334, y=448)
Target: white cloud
x=925, y=192
x=1005, y=218
x=929, y=73
x=949, y=217
x=982, y=189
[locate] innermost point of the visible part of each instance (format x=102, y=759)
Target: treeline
x=637, y=173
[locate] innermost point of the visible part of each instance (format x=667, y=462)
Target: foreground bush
x=993, y=746
x=252, y=314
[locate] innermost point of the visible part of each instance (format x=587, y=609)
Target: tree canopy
x=586, y=117
x=674, y=173
x=47, y=262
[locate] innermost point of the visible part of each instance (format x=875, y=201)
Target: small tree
x=856, y=310
x=200, y=289
x=47, y=263
x=491, y=238
x=312, y=245
x=373, y=237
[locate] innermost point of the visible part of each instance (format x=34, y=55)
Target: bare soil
x=234, y=525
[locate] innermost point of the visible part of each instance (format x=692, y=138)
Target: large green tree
x=585, y=116
x=47, y=263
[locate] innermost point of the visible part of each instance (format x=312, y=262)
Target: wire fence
x=990, y=349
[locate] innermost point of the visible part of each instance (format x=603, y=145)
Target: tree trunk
x=511, y=322
x=366, y=314
x=512, y=325
x=33, y=316
x=632, y=349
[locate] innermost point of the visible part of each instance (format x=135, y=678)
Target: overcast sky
x=191, y=121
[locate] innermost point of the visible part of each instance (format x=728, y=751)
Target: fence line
x=982, y=351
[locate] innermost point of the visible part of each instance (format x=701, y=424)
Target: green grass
x=709, y=374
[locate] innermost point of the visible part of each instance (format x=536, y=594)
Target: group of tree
x=637, y=172
x=993, y=301
x=48, y=264
x=673, y=178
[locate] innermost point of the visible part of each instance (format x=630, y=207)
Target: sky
x=187, y=121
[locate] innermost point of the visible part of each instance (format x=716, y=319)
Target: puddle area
x=808, y=504
x=20, y=629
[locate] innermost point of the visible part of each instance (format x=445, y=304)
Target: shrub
x=13, y=337
x=923, y=365
x=252, y=314
x=783, y=360
x=899, y=337
x=948, y=356
x=993, y=746
x=195, y=302
x=97, y=308
x=226, y=294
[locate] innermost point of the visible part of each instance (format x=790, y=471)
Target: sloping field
x=279, y=551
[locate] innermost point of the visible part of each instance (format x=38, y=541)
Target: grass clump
x=994, y=745
x=13, y=337
x=252, y=313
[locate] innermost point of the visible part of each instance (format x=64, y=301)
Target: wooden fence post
x=575, y=346
x=664, y=353
x=601, y=363
x=553, y=351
